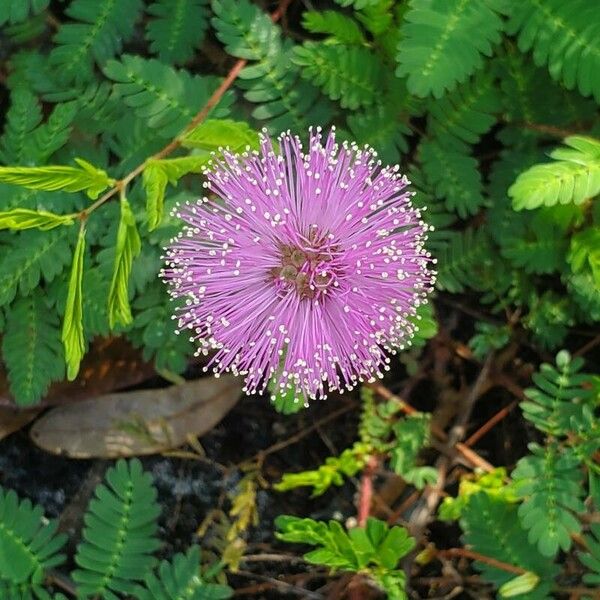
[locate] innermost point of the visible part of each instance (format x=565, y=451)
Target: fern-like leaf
x=119, y=534
x=462, y=260
x=28, y=544
x=33, y=255
x=491, y=528
x=349, y=74
x=31, y=349
x=177, y=29
x=591, y=559
x=549, y=482
x=340, y=27
x=181, y=579
x=379, y=127
x=23, y=116
x=558, y=396
x=285, y=101
x=98, y=35
x=441, y=42
x=16, y=11
x=165, y=98
x=153, y=331
x=454, y=176
x=563, y=35
x=573, y=177
x=466, y=113
x=536, y=244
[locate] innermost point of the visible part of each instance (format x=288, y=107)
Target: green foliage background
x=491, y=107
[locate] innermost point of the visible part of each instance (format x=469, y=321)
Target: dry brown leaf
x=109, y=365
x=12, y=420
x=135, y=423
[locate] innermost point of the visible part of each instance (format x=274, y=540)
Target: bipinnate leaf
x=72, y=331
x=136, y=423
x=85, y=177
x=128, y=246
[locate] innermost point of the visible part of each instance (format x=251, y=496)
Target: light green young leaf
x=23, y=218
x=156, y=175
x=51, y=178
x=221, y=133
x=342, y=28
x=519, y=585
x=72, y=332
x=128, y=247
x=574, y=177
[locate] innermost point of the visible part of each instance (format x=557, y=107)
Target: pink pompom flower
x=306, y=266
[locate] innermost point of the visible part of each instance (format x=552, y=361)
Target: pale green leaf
x=72, y=332
x=51, y=178
x=573, y=178
x=156, y=175
x=127, y=248
x=519, y=585
x=221, y=133
x=23, y=218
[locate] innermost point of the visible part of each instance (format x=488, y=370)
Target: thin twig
x=365, y=494
x=262, y=454
x=282, y=586
x=488, y=560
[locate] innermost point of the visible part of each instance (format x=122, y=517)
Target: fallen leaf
x=136, y=423
x=110, y=364
x=12, y=420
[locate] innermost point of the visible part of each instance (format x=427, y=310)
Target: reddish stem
x=365, y=496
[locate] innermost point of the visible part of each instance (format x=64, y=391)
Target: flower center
x=312, y=270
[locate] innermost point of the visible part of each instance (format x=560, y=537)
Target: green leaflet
x=128, y=246
x=15, y=11
x=28, y=545
x=574, y=177
x=549, y=482
x=165, y=98
x=99, y=31
x=350, y=74
x=454, y=175
x=565, y=36
x=374, y=550
x=491, y=527
x=119, y=535
x=342, y=28
x=23, y=218
x=177, y=28
x=51, y=178
x=72, y=331
x=32, y=256
x=156, y=175
x=180, y=579
x=23, y=116
x=442, y=43
x=273, y=82
x=221, y=133
x=31, y=349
